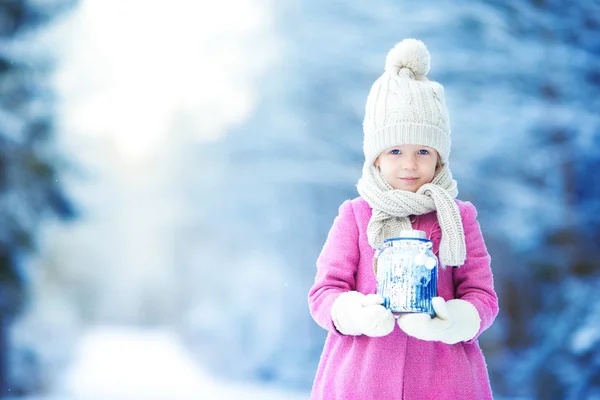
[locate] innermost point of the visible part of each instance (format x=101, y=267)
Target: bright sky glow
x=134, y=69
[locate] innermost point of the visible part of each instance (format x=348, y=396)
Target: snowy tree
x=30, y=189
x=548, y=290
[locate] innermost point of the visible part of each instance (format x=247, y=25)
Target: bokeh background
x=169, y=171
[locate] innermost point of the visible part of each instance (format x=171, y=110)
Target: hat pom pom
x=411, y=54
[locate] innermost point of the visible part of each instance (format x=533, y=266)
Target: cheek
x=387, y=168
x=434, y=172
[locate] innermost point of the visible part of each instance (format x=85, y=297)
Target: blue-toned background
x=169, y=172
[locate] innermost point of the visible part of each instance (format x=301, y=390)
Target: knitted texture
x=404, y=107
x=398, y=366
x=391, y=209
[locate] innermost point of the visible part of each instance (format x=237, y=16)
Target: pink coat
x=397, y=366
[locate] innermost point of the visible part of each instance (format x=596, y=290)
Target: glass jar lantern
x=406, y=272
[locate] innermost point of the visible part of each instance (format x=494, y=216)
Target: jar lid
x=413, y=233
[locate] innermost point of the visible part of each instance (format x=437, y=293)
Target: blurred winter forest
x=173, y=165
x=30, y=162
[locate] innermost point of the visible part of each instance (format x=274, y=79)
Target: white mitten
x=355, y=314
x=456, y=321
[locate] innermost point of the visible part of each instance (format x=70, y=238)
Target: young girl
x=406, y=184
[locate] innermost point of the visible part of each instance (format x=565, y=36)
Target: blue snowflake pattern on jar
x=407, y=273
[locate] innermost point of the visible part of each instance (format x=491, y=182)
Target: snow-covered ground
x=123, y=363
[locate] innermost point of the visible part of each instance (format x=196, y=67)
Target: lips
x=409, y=180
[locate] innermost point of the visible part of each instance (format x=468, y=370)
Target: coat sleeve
x=336, y=267
x=473, y=281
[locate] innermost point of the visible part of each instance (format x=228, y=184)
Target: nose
x=409, y=162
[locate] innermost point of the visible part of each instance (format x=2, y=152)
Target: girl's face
x=409, y=166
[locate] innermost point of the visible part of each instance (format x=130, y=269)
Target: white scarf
x=391, y=209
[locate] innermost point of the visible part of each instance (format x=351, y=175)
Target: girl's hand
x=455, y=321
x=355, y=314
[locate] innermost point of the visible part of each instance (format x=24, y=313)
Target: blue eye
x=395, y=151
x=423, y=151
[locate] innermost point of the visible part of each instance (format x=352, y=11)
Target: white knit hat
x=404, y=107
